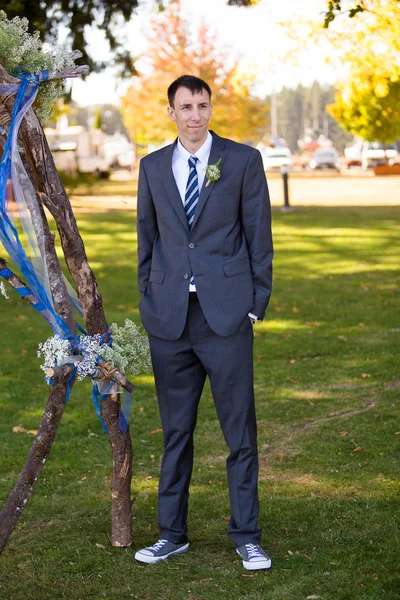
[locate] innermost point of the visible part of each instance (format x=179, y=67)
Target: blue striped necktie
x=192, y=195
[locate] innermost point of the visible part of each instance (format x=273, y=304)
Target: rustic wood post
x=51, y=192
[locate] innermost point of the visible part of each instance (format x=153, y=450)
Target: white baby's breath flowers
x=91, y=349
x=213, y=172
x=3, y=290
x=23, y=52
x=55, y=351
x=129, y=352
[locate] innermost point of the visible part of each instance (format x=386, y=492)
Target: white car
x=325, y=158
x=373, y=153
x=275, y=158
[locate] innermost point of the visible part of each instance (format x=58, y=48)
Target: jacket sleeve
x=256, y=223
x=146, y=229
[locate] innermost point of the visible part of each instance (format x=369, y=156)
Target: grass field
x=327, y=386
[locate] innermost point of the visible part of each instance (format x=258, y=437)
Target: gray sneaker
x=254, y=557
x=160, y=551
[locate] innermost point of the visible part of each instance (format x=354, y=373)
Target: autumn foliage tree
x=368, y=97
x=365, y=52
x=172, y=52
x=368, y=112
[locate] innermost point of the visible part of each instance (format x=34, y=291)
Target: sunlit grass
x=327, y=389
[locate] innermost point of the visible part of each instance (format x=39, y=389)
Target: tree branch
x=38, y=454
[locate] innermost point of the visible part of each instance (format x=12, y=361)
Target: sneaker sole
x=152, y=560
x=256, y=566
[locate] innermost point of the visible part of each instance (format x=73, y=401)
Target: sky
x=253, y=33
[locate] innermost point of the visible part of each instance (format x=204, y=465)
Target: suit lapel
x=217, y=151
x=170, y=185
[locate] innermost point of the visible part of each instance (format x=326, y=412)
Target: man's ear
x=171, y=113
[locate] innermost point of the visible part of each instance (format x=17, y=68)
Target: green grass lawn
x=327, y=385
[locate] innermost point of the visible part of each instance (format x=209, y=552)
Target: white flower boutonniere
x=213, y=172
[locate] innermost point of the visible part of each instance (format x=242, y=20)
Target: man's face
x=191, y=113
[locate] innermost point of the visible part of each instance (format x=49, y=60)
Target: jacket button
x=191, y=245
x=186, y=276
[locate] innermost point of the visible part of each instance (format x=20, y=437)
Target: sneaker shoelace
x=158, y=545
x=253, y=551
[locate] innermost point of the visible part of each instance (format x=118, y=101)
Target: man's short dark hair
x=192, y=83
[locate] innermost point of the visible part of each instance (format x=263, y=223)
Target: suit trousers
x=180, y=369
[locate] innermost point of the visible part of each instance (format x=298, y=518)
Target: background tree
x=364, y=52
x=303, y=107
x=173, y=52
x=370, y=112
x=108, y=15
x=335, y=9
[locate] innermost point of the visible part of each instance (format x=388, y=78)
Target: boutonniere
x=213, y=172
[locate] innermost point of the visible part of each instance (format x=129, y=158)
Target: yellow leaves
x=20, y=429
x=20, y=318
x=357, y=449
x=159, y=430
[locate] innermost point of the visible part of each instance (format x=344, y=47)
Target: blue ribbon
x=38, y=304
x=96, y=397
x=123, y=417
x=8, y=234
x=27, y=90
x=71, y=378
x=125, y=409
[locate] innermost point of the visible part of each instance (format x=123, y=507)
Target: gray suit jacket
x=228, y=250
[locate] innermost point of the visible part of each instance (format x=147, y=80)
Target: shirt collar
x=202, y=153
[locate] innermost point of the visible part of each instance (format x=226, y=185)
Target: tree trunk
x=121, y=504
x=38, y=454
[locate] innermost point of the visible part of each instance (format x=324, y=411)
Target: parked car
x=353, y=154
x=374, y=153
x=277, y=157
x=325, y=158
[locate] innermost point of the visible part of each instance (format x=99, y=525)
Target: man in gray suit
x=204, y=274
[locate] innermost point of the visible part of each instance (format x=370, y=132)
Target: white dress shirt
x=180, y=169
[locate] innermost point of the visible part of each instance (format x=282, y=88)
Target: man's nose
x=195, y=114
